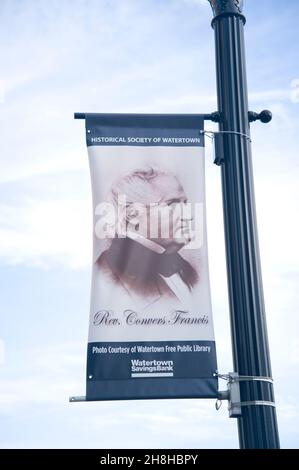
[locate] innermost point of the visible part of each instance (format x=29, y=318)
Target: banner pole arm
x=79, y=115
x=215, y=117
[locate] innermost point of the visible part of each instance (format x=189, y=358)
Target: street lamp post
x=257, y=425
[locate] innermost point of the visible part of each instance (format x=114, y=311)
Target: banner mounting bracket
x=215, y=116
x=232, y=394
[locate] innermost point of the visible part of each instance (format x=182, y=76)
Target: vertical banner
x=151, y=330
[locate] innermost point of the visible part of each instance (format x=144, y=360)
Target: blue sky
x=62, y=56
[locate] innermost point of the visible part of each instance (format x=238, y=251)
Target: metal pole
x=258, y=425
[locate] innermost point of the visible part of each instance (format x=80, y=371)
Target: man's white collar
x=153, y=246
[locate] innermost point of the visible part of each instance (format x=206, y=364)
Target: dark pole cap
x=264, y=116
x=227, y=8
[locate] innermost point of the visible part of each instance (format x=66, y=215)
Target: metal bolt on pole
x=258, y=424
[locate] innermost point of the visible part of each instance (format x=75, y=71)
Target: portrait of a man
x=153, y=225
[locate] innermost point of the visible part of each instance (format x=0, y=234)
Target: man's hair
x=138, y=185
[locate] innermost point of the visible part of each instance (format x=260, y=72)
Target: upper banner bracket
x=215, y=116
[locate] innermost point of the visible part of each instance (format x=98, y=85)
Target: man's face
x=167, y=217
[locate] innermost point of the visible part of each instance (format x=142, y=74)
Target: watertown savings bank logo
x=153, y=368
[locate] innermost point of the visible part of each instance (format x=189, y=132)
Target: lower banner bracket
x=232, y=394
x=77, y=399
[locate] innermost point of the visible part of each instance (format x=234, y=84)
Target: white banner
x=151, y=330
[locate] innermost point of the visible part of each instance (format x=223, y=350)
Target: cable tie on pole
x=224, y=132
x=218, y=140
x=218, y=404
x=252, y=378
x=207, y=133
x=244, y=378
x=252, y=403
x=222, y=376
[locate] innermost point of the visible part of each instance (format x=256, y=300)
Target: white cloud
x=48, y=377
x=294, y=353
x=294, y=95
x=2, y=351
x=45, y=233
x=265, y=96
x=2, y=91
x=197, y=2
